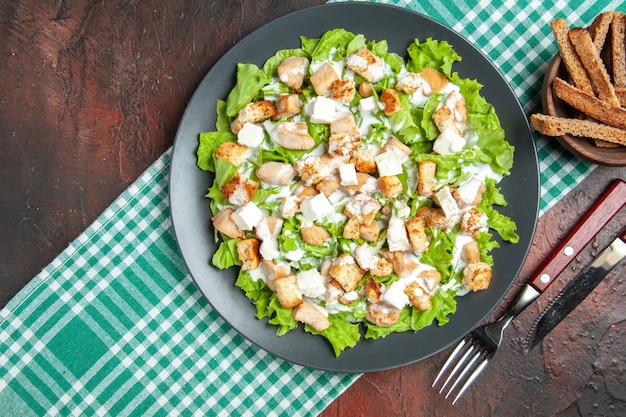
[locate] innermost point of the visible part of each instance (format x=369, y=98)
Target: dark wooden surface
x=91, y=93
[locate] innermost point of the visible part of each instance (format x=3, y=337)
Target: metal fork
x=479, y=346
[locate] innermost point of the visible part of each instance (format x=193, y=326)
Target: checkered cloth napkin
x=115, y=325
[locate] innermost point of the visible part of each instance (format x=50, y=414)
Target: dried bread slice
x=590, y=105
x=599, y=28
x=568, y=54
x=618, y=49
x=590, y=57
x=558, y=126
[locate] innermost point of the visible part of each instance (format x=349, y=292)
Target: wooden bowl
x=580, y=146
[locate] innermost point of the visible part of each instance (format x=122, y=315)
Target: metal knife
x=576, y=291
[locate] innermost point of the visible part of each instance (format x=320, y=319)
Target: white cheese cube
x=315, y=208
x=448, y=142
x=388, y=163
x=367, y=104
x=247, y=217
x=347, y=173
x=395, y=296
x=269, y=249
x=397, y=238
x=322, y=110
x=250, y=135
x=446, y=201
x=311, y=283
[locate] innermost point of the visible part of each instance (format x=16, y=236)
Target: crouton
x=382, y=268
x=363, y=160
x=239, y=190
x=366, y=64
x=314, y=234
x=409, y=83
x=426, y=177
x=347, y=273
x=391, y=101
x=343, y=90
x=255, y=112
x=418, y=296
x=323, y=78
x=291, y=135
x=382, y=315
x=444, y=120
x=476, y=276
x=351, y=230
x=232, y=152
x=390, y=186
x=224, y=224
x=343, y=144
x=417, y=235
x=275, y=173
x=307, y=313
x=362, y=207
x=248, y=253
x=473, y=221
x=291, y=71
x=289, y=206
x=287, y=105
x=313, y=169
x=287, y=291
x=434, y=78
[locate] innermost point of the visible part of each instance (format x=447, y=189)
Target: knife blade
x=576, y=291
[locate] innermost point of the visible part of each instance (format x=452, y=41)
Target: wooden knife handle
x=609, y=203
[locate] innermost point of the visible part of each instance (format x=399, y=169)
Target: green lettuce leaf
x=438, y=55
x=250, y=81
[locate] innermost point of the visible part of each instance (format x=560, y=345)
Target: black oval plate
x=191, y=213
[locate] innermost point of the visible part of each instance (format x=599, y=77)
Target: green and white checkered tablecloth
x=115, y=325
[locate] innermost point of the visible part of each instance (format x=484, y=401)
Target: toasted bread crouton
x=470, y=252
x=255, y=112
x=271, y=271
x=370, y=232
x=239, y=190
x=347, y=273
x=426, y=177
x=363, y=160
x=382, y=315
x=248, y=253
x=473, y=221
x=343, y=144
x=314, y=234
x=362, y=207
x=366, y=90
x=366, y=64
x=289, y=206
x=313, y=169
x=287, y=105
x=369, y=261
x=287, y=291
x=390, y=186
x=232, y=152
x=568, y=54
x=323, y=78
x=291, y=135
x=391, y=101
x=436, y=81
x=418, y=296
x=307, y=313
x=476, y=276
x=444, y=119
x=292, y=70
x=275, y=173
x=409, y=83
x=382, y=268
x=224, y=224
x=417, y=235
x=343, y=90
x=351, y=229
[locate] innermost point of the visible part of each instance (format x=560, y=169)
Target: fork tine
x=465, y=370
x=449, y=361
x=461, y=362
x=481, y=367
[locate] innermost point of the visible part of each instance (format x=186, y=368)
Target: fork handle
x=610, y=202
